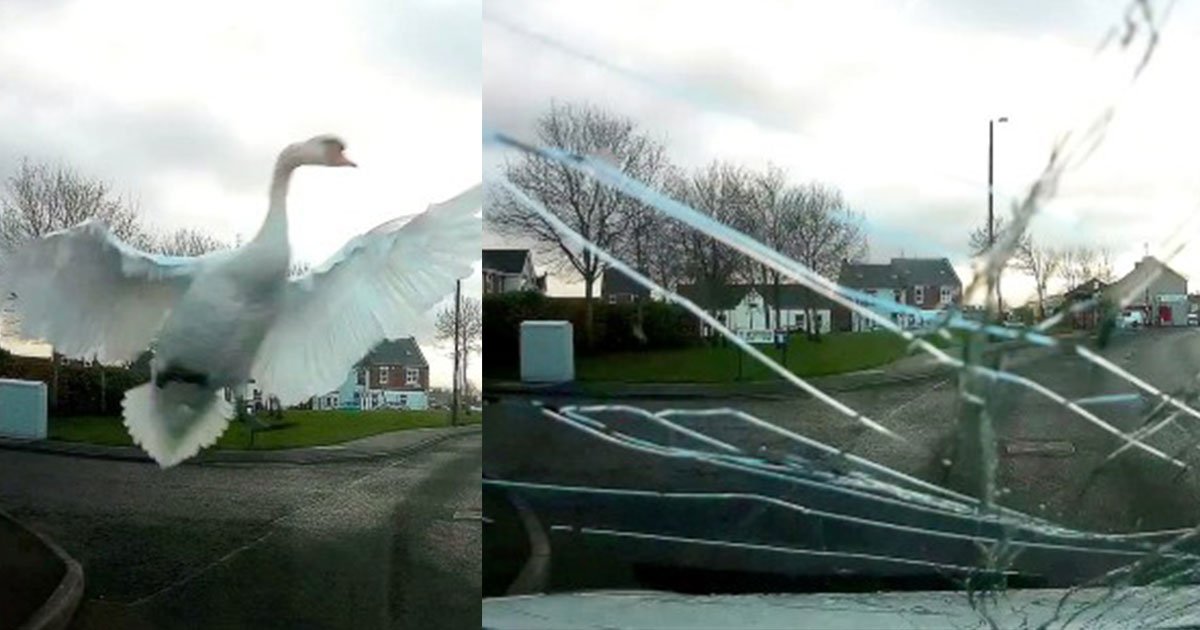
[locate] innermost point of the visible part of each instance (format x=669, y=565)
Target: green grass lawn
x=835, y=353
x=306, y=428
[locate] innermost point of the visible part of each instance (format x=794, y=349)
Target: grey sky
x=887, y=100
x=183, y=107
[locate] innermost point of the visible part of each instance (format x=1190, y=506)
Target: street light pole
x=991, y=225
x=457, y=335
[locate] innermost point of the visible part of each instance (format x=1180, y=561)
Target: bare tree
x=470, y=330
x=826, y=233
x=772, y=221
x=597, y=212
x=1104, y=266
x=186, y=242
x=653, y=247
x=1083, y=263
x=1041, y=263
x=979, y=245
x=39, y=199
x=722, y=191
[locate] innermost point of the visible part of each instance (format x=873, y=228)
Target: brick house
x=929, y=284
x=618, y=288
x=1082, y=303
x=394, y=375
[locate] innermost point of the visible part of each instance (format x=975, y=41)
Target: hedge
x=79, y=385
x=662, y=325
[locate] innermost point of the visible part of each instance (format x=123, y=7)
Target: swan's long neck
x=275, y=227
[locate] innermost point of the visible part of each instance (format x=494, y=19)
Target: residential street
x=385, y=542
x=1048, y=457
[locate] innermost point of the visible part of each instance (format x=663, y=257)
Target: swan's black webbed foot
x=175, y=373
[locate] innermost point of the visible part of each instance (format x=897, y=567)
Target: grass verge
x=298, y=428
x=834, y=353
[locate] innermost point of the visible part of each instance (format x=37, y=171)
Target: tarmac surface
x=1050, y=462
x=391, y=540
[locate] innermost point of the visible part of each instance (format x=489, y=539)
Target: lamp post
x=991, y=227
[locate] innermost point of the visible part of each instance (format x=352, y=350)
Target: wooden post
x=103, y=390
x=457, y=334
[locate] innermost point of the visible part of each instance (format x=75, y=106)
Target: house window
x=896, y=296
x=362, y=377
x=412, y=376
x=918, y=294
x=383, y=375
x=947, y=292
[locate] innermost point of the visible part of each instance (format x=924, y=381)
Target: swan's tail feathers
x=174, y=422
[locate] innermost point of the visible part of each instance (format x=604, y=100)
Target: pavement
x=1050, y=461
x=390, y=540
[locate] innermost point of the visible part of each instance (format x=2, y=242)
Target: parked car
x=1132, y=318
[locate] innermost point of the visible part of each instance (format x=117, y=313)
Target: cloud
x=437, y=39
x=1083, y=21
x=887, y=101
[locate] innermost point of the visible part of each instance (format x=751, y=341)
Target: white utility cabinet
x=22, y=409
x=547, y=352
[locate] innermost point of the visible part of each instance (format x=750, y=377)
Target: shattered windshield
x=866, y=297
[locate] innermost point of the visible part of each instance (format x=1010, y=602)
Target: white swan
x=220, y=319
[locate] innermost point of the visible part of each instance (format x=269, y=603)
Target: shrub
x=616, y=326
x=79, y=385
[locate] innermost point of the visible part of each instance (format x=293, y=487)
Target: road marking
x=473, y=514
x=920, y=395
x=1047, y=448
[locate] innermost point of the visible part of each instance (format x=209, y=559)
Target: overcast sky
x=887, y=100
x=184, y=107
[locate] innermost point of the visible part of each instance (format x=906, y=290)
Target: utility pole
x=457, y=335
x=991, y=219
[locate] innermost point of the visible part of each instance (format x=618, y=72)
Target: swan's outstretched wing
x=381, y=285
x=91, y=295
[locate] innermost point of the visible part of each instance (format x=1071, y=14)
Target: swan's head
x=322, y=150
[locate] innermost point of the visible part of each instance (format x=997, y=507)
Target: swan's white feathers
x=174, y=423
x=381, y=285
x=91, y=295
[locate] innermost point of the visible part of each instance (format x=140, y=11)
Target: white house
x=1154, y=288
x=756, y=312
x=510, y=271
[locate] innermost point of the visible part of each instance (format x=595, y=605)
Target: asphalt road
x=387, y=543
x=1049, y=459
